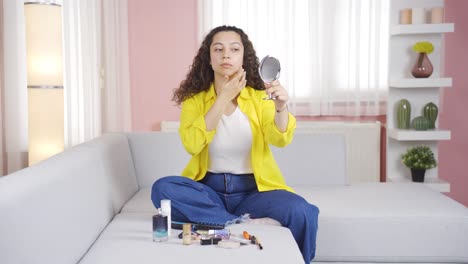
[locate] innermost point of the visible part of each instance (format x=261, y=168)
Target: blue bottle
x=160, y=225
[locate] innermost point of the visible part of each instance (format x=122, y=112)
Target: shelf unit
x=421, y=83
x=422, y=29
x=410, y=135
x=418, y=91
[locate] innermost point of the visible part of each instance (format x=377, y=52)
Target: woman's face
x=226, y=53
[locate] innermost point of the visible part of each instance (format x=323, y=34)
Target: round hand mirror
x=269, y=71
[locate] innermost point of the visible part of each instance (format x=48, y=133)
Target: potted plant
x=419, y=159
x=423, y=67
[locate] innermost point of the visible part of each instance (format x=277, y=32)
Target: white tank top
x=229, y=152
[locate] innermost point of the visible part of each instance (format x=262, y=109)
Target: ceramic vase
x=421, y=123
x=423, y=67
x=430, y=111
x=403, y=114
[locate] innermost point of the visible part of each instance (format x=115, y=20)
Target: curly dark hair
x=201, y=75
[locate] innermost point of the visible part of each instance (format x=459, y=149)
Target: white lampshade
x=45, y=80
x=46, y=132
x=44, y=44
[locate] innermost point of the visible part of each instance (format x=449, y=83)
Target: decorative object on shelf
x=430, y=111
x=419, y=159
x=418, y=15
x=421, y=123
x=423, y=67
x=403, y=114
x=405, y=16
x=437, y=15
x=417, y=175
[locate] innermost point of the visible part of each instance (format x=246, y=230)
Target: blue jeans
x=223, y=197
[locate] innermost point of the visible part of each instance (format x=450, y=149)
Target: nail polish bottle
x=160, y=227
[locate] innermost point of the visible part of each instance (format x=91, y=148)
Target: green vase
x=403, y=114
x=430, y=111
x=421, y=123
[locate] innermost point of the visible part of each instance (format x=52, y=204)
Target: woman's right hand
x=233, y=85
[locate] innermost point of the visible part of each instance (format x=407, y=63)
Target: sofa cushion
x=321, y=162
x=52, y=212
x=117, y=163
x=128, y=239
x=140, y=202
x=377, y=222
x=58, y=208
x=159, y=154
x=389, y=222
x=156, y=154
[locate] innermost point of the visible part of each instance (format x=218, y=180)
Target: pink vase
x=423, y=67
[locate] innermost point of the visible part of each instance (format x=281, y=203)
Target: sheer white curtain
x=14, y=98
x=97, y=93
x=333, y=53
x=116, y=93
x=97, y=89
x=82, y=62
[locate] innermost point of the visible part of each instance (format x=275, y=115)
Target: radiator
x=362, y=145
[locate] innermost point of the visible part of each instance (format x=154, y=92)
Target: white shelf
x=414, y=135
x=421, y=82
x=422, y=29
x=435, y=184
x=418, y=91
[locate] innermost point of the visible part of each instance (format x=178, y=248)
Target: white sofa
x=91, y=204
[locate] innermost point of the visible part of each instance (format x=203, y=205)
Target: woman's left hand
x=277, y=91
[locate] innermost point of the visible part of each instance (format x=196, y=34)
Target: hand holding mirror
x=269, y=71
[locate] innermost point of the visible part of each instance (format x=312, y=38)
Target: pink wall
x=453, y=154
x=162, y=43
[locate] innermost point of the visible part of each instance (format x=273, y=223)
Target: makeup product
x=209, y=241
x=160, y=227
x=257, y=242
x=220, y=233
x=186, y=234
x=252, y=239
x=228, y=244
x=166, y=210
x=196, y=226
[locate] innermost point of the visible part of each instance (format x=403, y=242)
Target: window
x=333, y=53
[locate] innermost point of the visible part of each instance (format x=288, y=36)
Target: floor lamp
x=45, y=80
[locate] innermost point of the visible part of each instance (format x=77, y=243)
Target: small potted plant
x=423, y=67
x=419, y=159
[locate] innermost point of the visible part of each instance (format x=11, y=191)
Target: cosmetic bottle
x=186, y=234
x=160, y=227
x=166, y=211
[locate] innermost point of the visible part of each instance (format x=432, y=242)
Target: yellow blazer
x=260, y=113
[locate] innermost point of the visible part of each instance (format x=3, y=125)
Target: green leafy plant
x=419, y=157
x=423, y=47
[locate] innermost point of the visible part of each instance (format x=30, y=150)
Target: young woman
x=227, y=127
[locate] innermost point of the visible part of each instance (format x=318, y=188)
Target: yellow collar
x=211, y=94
